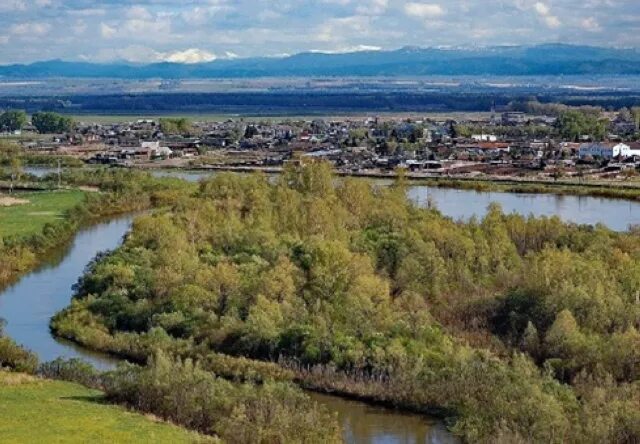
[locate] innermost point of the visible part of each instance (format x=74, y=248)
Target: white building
x=484, y=138
x=606, y=150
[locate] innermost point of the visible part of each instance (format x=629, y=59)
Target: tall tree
x=13, y=120
x=48, y=122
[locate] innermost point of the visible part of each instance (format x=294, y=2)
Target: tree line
x=44, y=122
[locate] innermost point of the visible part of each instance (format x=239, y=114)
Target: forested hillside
x=514, y=329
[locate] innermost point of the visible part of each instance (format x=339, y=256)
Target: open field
x=215, y=117
x=34, y=410
x=43, y=207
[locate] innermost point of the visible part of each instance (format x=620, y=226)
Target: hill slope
x=550, y=59
x=37, y=411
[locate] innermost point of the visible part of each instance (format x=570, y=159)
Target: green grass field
x=43, y=207
x=38, y=411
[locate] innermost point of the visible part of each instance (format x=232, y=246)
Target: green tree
x=16, y=170
x=531, y=340
x=13, y=120
x=48, y=122
x=179, y=125
x=573, y=124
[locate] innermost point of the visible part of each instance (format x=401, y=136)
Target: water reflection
x=463, y=204
x=363, y=424
x=28, y=305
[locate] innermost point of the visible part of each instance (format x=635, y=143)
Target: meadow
x=36, y=410
x=43, y=208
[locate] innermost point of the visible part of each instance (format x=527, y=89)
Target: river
x=29, y=304
x=617, y=214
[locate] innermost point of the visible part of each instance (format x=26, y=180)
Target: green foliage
x=43, y=208
x=34, y=410
x=13, y=356
x=13, y=120
x=573, y=124
x=72, y=370
x=353, y=289
x=183, y=393
x=178, y=125
x=48, y=122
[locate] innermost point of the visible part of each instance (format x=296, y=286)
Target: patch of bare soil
x=89, y=189
x=8, y=201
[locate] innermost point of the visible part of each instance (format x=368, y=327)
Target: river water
x=616, y=214
x=28, y=306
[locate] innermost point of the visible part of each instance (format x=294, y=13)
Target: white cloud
x=12, y=5
x=262, y=27
x=79, y=27
x=544, y=11
x=541, y=8
x=139, y=13
x=339, y=29
x=552, y=21
x=33, y=29
x=424, y=10
x=107, y=31
x=373, y=7
x=590, y=24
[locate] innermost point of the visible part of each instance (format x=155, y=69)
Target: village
x=496, y=144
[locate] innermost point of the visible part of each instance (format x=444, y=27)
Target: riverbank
x=628, y=190
x=30, y=303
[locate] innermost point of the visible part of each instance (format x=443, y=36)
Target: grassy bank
x=122, y=192
x=42, y=208
x=34, y=410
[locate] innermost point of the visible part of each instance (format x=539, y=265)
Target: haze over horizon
x=147, y=31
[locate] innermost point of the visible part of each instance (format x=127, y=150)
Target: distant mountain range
x=550, y=59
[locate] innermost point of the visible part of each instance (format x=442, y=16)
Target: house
x=484, y=138
x=607, y=150
x=155, y=150
x=514, y=118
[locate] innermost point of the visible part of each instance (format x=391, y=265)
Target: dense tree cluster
x=13, y=120
x=519, y=328
x=575, y=123
x=49, y=122
x=124, y=192
x=179, y=125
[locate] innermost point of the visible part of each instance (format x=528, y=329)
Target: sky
x=191, y=31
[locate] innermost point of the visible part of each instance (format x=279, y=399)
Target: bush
x=14, y=356
x=184, y=393
x=72, y=370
